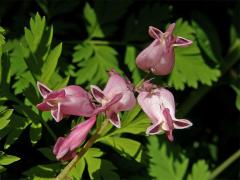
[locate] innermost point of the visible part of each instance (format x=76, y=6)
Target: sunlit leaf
x=190, y=68
x=199, y=171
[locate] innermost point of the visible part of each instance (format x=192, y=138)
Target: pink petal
x=43, y=106
x=64, y=148
x=77, y=105
x=154, y=32
x=171, y=28
x=43, y=89
x=74, y=90
x=183, y=42
x=57, y=114
x=154, y=129
x=181, y=123
x=97, y=93
x=56, y=94
x=168, y=119
x=58, y=144
x=114, y=119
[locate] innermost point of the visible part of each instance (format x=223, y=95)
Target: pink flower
x=117, y=96
x=71, y=100
x=159, y=105
x=64, y=148
x=158, y=57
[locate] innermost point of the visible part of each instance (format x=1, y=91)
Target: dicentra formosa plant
x=118, y=95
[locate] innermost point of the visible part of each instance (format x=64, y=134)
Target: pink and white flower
x=117, y=96
x=71, y=100
x=158, y=104
x=159, y=57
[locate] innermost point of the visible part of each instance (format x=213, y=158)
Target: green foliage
x=130, y=61
x=7, y=160
x=199, y=171
x=31, y=58
x=190, y=67
x=169, y=163
x=97, y=168
x=126, y=147
x=4, y=118
x=44, y=171
x=94, y=59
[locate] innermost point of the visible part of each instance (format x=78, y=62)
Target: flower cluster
x=118, y=95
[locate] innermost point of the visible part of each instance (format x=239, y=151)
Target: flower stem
x=225, y=164
x=88, y=144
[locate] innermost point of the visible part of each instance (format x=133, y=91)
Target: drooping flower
x=117, y=96
x=159, y=57
x=158, y=103
x=71, y=100
x=64, y=148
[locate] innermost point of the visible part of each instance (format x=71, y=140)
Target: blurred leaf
x=237, y=102
x=93, y=26
x=2, y=169
x=99, y=168
x=130, y=61
x=8, y=159
x=47, y=152
x=35, y=132
x=199, y=171
x=162, y=163
x=13, y=130
x=4, y=118
x=190, y=67
x=126, y=147
x=43, y=171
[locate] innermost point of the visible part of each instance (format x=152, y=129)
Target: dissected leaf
x=94, y=65
x=199, y=171
x=99, y=168
x=126, y=147
x=190, y=67
x=162, y=163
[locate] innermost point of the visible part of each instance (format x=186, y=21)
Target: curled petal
x=43, y=89
x=154, y=32
x=181, y=123
x=154, y=129
x=114, y=119
x=97, y=93
x=171, y=28
x=44, y=106
x=183, y=42
x=57, y=114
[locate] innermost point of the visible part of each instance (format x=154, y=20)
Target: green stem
x=88, y=144
x=225, y=164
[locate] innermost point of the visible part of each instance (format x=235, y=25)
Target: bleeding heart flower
x=117, y=96
x=65, y=147
x=159, y=105
x=71, y=100
x=159, y=57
